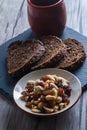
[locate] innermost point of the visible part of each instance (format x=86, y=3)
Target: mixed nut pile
x=48, y=94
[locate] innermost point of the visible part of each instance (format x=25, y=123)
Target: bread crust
x=21, y=55
x=54, y=52
x=74, y=57
x=48, y=51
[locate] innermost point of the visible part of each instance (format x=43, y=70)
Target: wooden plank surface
x=13, y=21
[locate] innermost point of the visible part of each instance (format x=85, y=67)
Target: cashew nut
x=48, y=110
x=50, y=97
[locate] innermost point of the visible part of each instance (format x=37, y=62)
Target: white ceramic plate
x=74, y=83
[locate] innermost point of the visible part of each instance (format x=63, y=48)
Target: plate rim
x=54, y=113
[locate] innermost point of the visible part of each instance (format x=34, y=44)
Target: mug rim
x=46, y=6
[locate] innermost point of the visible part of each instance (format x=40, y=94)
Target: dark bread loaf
x=21, y=55
x=74, y=57
x=54, y=52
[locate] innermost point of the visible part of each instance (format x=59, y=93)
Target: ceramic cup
x=47, y=18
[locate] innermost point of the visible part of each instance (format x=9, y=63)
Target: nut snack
x=48, y=94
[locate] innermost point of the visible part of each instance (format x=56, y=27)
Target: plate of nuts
x=47, y=91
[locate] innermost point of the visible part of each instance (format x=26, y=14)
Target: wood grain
x=13, y=18
x=77, y=18
x=13, y=21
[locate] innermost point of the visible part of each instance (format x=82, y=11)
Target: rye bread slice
x=21, y=55
x=54, y=52
x=74, y=57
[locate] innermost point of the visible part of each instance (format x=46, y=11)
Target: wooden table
x=13, y=21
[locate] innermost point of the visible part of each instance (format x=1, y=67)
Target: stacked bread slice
x=74, y=57
x=48, y=51
x=22, y=55
x=54, y=52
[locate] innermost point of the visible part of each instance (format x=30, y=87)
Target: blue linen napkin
x=7, y=83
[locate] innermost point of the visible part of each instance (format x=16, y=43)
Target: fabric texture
x=7, y=83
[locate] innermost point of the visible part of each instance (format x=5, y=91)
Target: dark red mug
x=48, y=18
